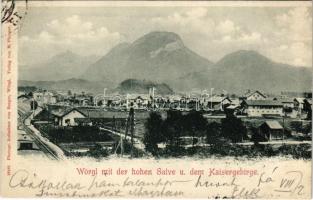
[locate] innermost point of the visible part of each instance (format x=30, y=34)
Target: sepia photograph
x=165, y=84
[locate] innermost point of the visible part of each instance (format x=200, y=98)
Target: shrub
x=269, y=151
x=234, y=129
x=213, y=132
x=97, y=151
x=153, y=133
x=74, y=134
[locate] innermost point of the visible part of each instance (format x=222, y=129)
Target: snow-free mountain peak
x=155, y=56
x=61, y=66
x=243, y=57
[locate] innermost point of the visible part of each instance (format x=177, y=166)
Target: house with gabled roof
x=69, y=116
x=271, y=130
x=66, y=116
x=298, y=103
x=302, y=106
x=288, y=106
x=45, y=97
x=287, y=102
x=218, y=102
x=259, y=108
x=255, y=95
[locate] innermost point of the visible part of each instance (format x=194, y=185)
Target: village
x=77, y=123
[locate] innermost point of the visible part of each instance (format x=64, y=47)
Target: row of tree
x=193, y=124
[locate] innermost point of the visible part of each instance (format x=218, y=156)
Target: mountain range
x=74, y=84
x=157, y=56
x=65, y=65
x=243, y=70
x=162, y=57
x=129, y=86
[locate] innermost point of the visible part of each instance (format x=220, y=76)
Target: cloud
x=299, y=62
x=301, y=54
x=197, y=13
x=46, y=37
x=204, y=30
x=284, y=34
x=252, y=37
x=295, y=35
x=195, y=20
x=71, y=33
x=296, y=24
x=284, y=37
x=283, y=47
x=227, y=27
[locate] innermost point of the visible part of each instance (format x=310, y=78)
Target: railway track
x=41, y=144
x=137, y=142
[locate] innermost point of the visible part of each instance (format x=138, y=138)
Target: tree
x=256, y=137
x=296, y=126
x=213, y=132
x=99, y=103
x=153, y=133
x=97, y=151
x=233, y=128
x=30, y=94
x=307, y=128
x=194, y=124
x=69, y=93
x=173, y=127
x=300, y=127
x=307, y=108
x=33, y=105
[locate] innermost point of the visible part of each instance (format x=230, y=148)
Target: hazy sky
x=283, y=34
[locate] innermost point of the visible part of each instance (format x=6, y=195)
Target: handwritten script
x=9, y=13
x=96, y=187
x=271, y=184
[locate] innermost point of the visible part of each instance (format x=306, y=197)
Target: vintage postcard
x=156, y=99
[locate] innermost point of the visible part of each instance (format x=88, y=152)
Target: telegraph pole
x=211, y=98
x=33, y=108
x=283, y=127
x=104, y=91
x=284, y=115
x=153, y=98
x=132, y=129
x=122, y=146
x=126, y=101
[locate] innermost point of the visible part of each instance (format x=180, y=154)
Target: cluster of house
x=178, y=102
x=73, y=116
x=43, y=97
x=256, y=104
x=88, y=116
x=252, y=104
